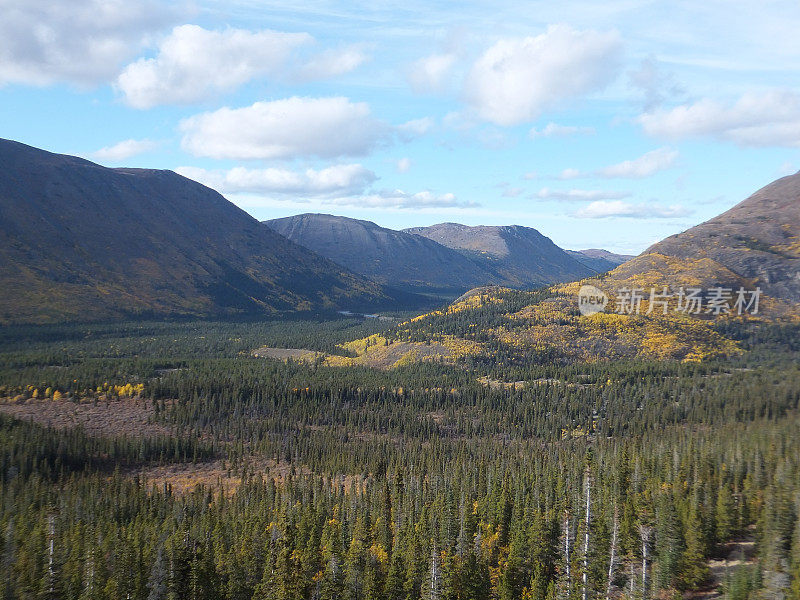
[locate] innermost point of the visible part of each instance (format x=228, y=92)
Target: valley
x=429, y=449
x=355, y=412
x=399, y=301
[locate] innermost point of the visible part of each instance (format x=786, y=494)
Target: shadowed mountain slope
x=79, y=241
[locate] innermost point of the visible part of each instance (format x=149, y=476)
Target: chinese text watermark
x=712, y=301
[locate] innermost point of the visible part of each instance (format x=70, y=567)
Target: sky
x=602, y=124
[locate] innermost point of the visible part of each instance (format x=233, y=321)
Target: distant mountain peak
x=384, y=255
x=447, y=256
x=598, y=259
x=521, y=256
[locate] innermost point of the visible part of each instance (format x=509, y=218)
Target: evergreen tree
x=694, y=568
x=669, y=544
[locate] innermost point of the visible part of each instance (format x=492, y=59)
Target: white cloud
x=429, y=74
x=579, y=195
x=331, y=63
x=82, y=42
x=756, y=119
x=516, y=79
x=389, y=200
x=570, y=174
x=323, y=127
x=334, y=180
x=403, y=200
x=655, y=85
x=646, y=165
x=124, y=149
x=194, y=63
x=556, y=130
x=403, y=165
x=602, y=209
x=415, y=128
x=512, y=192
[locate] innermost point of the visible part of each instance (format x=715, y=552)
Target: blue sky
x=608, y=124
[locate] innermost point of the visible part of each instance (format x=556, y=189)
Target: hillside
x=494, y=327
x=520, y=256
x=385, y=255
x=79, y=241
x=754, y=244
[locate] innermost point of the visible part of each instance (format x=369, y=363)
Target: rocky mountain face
x=520, y=256
x=83, y=242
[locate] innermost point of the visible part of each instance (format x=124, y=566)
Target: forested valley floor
x=152, y=460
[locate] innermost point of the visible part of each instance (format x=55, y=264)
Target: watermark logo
x=591, y=300
x=713, y=301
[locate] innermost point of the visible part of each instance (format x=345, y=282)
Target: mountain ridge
x=756, y=243
x=80, y=241
x=382, y=254
x=470, y=257
x=522, y=256
x=598, y=259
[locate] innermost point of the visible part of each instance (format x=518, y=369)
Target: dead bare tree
x=646, y=534
x=631, y=579
x=51, y=539
x=435, y=575
x=567, y=553
x=585, y=589
x=612, y=559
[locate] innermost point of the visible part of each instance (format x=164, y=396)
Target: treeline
x=76, y=359
x=182, y=339
x=484, y=312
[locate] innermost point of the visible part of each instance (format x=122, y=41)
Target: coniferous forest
x=399, y=300
x=248, y=477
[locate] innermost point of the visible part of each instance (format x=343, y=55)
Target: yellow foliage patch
x=557, y=325
x=468, y=301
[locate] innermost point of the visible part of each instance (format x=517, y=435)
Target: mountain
x=385, y=255
x=599, y=260
x=755, y=243
x=447, y=257
x=520, y=256
x=539, y=327
x=79, y=241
